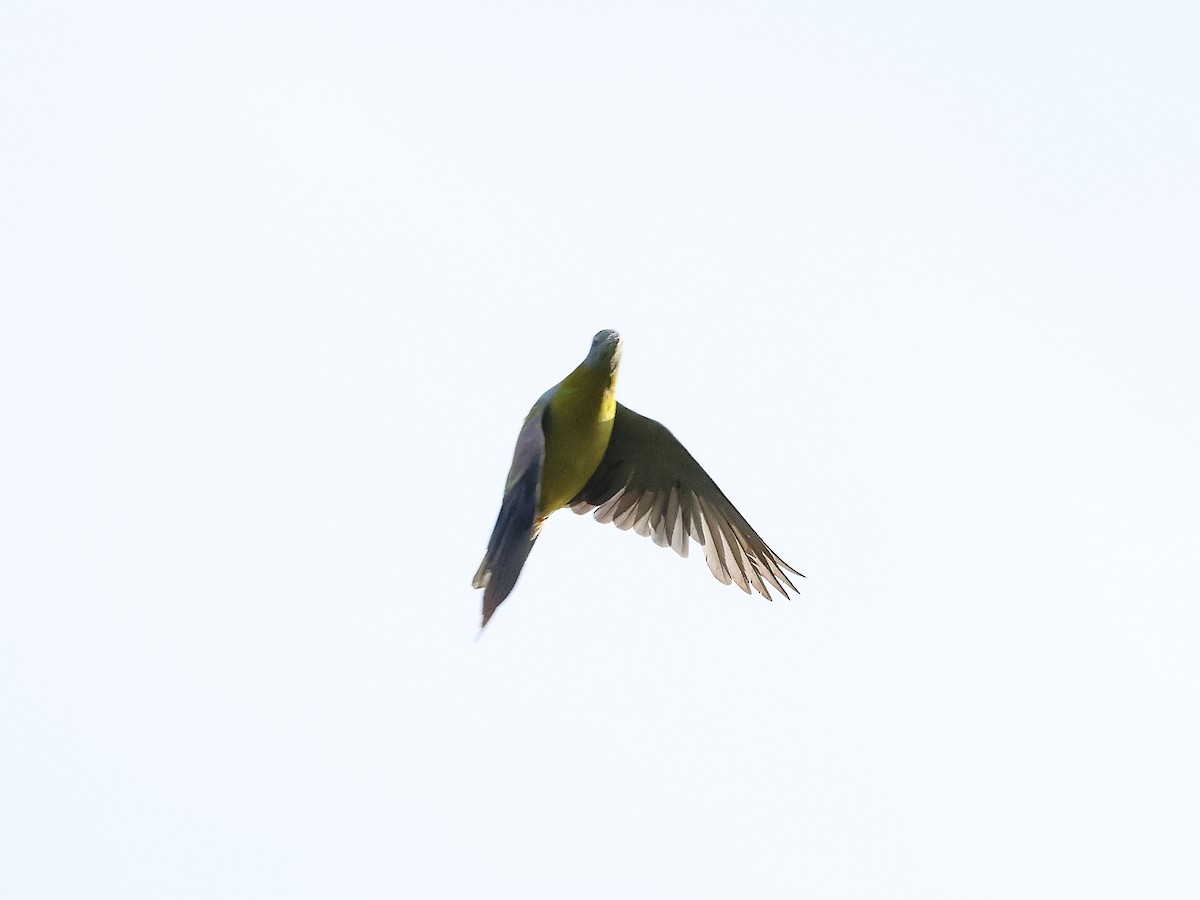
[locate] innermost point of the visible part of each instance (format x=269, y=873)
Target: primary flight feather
x=582, y=449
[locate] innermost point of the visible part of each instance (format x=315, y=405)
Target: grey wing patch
x=516, y=526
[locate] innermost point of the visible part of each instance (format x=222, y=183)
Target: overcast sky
x=917, y=284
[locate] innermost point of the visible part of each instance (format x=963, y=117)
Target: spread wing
x=648, y=481
x=516, y=527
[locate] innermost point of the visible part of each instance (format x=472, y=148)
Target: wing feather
x=675, y=530
x=645, y=509
x=659, y=519
x=727, y=547
x=649, y=482
x=627, y=511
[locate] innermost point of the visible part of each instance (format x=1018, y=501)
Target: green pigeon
x=580, y=448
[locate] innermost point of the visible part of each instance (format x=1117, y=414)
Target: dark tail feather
x=512, y=540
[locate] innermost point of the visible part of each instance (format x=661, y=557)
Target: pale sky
x=918, y=285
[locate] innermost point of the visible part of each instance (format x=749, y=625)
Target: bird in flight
x=580, y=448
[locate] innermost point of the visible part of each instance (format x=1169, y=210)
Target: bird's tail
x=517, y=528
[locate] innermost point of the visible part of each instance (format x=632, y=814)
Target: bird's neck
x=589, y=392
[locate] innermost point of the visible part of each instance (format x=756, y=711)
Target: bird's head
x=606, y=351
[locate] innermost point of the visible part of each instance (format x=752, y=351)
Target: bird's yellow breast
x=578, y=423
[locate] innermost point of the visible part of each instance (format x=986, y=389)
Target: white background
x=917, y=284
